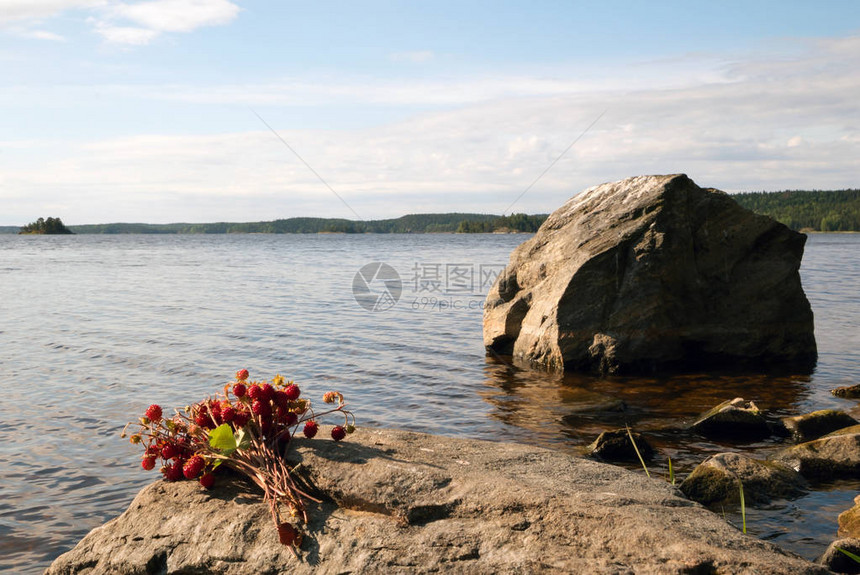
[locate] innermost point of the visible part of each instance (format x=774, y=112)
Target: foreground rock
x=653, y=272
x=401, y=502
x=716, y=480
x=837, y=561
x=833, y=456
x=735, y=419
x=813, y=425
x=849, y=521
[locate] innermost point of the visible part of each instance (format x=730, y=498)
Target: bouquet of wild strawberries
x=248, y=428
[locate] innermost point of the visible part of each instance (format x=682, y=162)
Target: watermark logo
x=377, y=286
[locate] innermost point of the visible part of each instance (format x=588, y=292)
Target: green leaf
x=222, y=439
x=849, y=554
x=243, y=440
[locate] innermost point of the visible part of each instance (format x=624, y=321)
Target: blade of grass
x=743, y=506
x=636, y=449
x=671, y=472
x=853, y=556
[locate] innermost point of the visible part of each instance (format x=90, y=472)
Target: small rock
x=848, y=392
x=715, y=480
x=835, y=455
x=837, y=561
x=849, y=521
x=615, y=445
x=816, y=424
x=735, y=419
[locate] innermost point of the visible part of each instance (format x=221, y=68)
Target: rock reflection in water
x=569, y=411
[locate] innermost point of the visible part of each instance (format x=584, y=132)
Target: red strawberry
x=239, y=389
x=242, y=375
x=153, y=412
x=281, y=399
x=268, y=392
x=310, y=429
x=193, y=467
x=169, y=451
x=261, y=408
x=228, y=414
x=293, y=392
x=148, y=463
x=207, y=480
x=172, y=472
x=338, y=433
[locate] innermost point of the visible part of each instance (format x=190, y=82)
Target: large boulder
x=399, y=502
x=653, y=272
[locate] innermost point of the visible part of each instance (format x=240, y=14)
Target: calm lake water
x=95, y=328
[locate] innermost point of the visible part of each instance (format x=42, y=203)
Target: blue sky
x=147, y=110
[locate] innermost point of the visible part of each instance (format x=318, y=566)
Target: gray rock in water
x=839, y=562
x=848, y=392
x=813, y=425
x=399, y=502
x=735, y=419
x=835, y=455
x=716, y=480
x=653, y=272
x=615, y=445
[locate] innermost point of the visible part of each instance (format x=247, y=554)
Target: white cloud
x=130, y=35
x=487, y=140
x=176, y=15
x=133, y=23
x=17, y=10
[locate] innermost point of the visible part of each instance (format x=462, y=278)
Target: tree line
x=826, y=211
x=814, y=210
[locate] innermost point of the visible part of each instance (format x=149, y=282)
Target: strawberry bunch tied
x=249, y=428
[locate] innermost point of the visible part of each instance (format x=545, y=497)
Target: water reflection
x=569, y=411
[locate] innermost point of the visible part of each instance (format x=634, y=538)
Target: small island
x=51, y=226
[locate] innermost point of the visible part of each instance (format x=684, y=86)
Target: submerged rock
x=818, y=423
x=399, y=502
x=615, y=445
x=848, y=392
x=734, y=419
x=833, y=456
x=837, y=561
x=849, y=521
x=653, y=272
x=716, y=480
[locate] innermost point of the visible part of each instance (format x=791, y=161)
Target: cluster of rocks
x=827, y=447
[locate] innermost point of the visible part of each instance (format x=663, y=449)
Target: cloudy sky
x=159, y=110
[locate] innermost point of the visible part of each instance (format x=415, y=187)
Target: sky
x=166, y=111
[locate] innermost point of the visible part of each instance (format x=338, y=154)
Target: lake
x=96, y=328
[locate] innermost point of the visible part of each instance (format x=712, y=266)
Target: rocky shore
x=401, y=502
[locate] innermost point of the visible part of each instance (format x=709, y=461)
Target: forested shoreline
x=802, y=210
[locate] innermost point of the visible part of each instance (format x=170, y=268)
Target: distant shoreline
x=806, y=211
